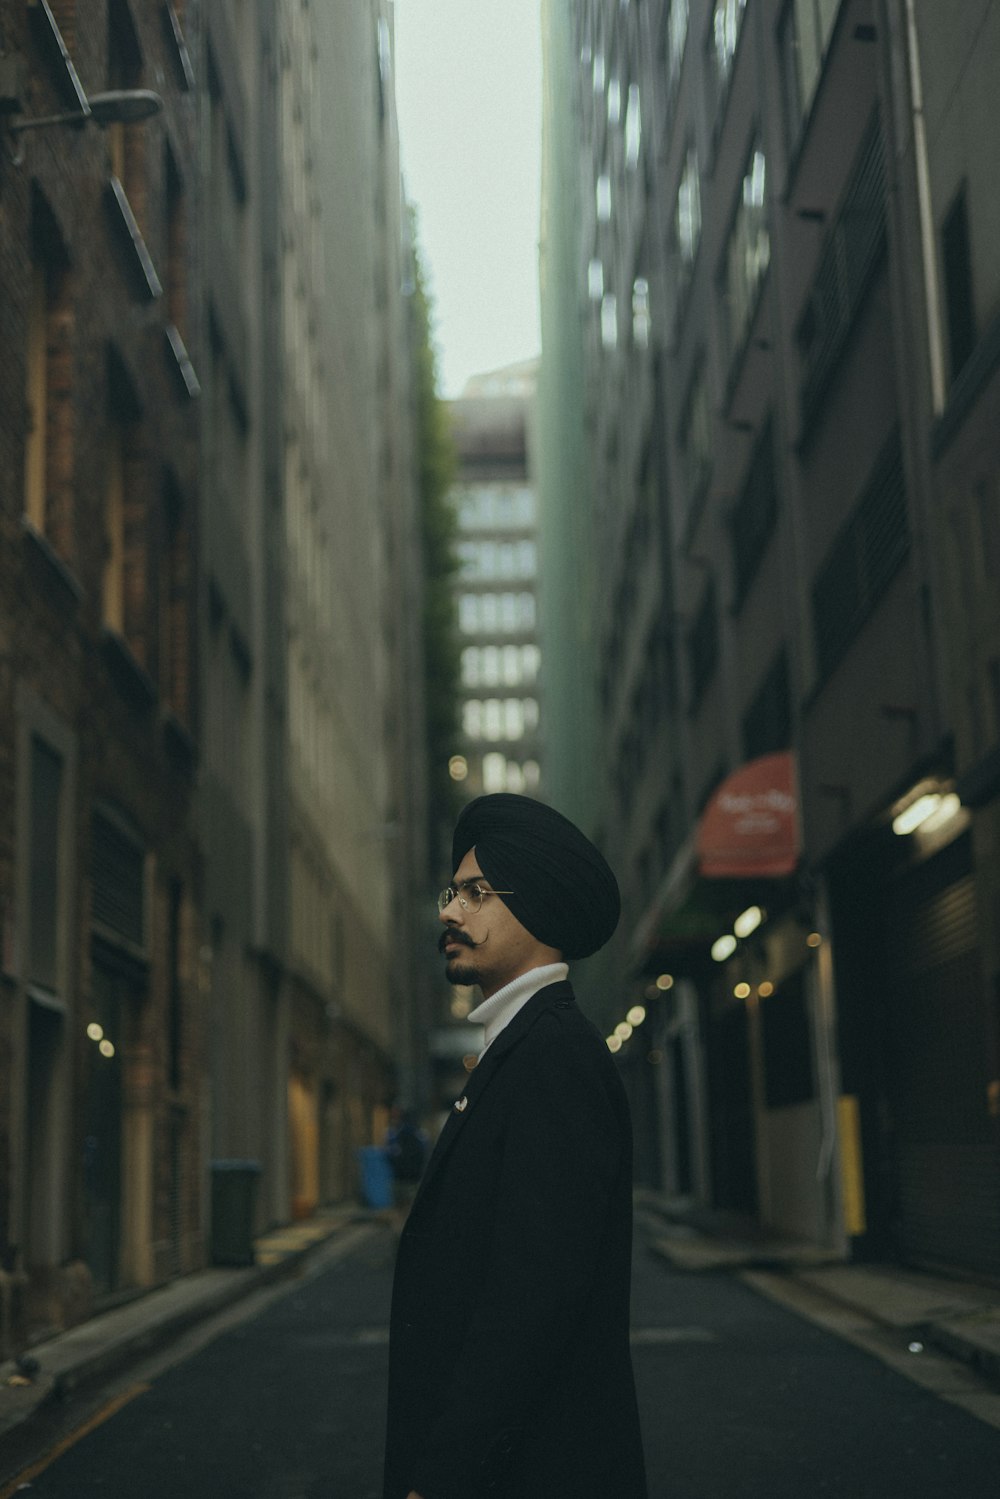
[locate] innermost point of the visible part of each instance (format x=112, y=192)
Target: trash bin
x=234, y=1200
x=376, y=1176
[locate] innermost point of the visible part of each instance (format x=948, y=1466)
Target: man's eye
x=476, y=891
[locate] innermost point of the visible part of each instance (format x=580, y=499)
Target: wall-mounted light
x=916, y=813
x=613, y=1043
x=120, y=106
x=636, y=1015
x=623, y=1030
x=665, y=982
x=748, y=921
x=742, y=991
x=114, y=107
x=928, y=811
x=723, y=947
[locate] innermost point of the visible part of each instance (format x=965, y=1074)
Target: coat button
x=461, y=1105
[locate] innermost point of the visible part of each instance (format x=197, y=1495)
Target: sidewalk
x=111, y=1340
x=957, y=1317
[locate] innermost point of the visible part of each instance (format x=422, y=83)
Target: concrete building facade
x=312, y=684
x=787, y=324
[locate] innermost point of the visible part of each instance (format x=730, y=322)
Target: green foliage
x=436, y=465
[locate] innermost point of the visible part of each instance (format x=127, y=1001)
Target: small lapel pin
x=461, y=1105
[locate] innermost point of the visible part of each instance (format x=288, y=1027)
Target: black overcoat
x=509, y=1367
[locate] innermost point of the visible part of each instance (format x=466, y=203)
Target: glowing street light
x=723, y=947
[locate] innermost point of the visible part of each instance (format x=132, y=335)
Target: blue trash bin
x=376, y=1176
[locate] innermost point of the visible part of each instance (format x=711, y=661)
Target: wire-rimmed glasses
x=470, y=895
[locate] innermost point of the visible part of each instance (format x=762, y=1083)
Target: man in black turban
x=509, y=1370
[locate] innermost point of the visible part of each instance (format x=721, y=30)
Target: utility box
x=234, y=1205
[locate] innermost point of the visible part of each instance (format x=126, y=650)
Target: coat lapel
x=486, y=1069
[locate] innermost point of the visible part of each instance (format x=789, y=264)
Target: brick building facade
x=100, y=1046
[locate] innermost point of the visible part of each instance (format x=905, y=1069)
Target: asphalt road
x=740, y=1398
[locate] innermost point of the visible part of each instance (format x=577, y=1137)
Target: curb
x=85, y=1353
x=961, y=1320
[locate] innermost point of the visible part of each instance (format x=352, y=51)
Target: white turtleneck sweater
x=499, y=1010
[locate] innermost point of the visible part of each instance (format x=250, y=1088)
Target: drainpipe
x=935, y=344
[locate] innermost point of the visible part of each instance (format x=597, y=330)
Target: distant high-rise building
x=500, y=744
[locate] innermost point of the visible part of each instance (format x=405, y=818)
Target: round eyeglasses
x=470, y=895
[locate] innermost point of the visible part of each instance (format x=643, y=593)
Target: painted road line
x=97, y=1419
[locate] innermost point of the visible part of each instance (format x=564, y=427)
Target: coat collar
x=486, y=1069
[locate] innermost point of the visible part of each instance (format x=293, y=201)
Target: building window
x=595, y=280
x=804, y=38
x=174, y=603
x=850, y=255
x=470, y=667
x=113, y=577
x=703, y=647
x=117, y=878
x=48, y=451
x=468, y=613
x=748, y=253
x=176, y=277
x=609, y=320
x=119, y=603
x=727, y=23
x=754, y=515
x=641, y=322
x=957, y=268
x=603, y=195
x=490, y=612
x=175, y=986
x=472, y=719
x=633, y=127
x=685, y=233
x=863, y=560
x=493, y=719
x=494, y=772
x=677, y=30
x=513, y=719
x=614, y=102
x=688, y=216
x=44, y=870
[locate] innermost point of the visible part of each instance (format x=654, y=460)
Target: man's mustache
x=452, y=934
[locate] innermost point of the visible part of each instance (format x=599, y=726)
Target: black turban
x=564, y=891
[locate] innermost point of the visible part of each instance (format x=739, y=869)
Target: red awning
x=750, y=828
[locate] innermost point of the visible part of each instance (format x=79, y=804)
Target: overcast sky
x=468, y=92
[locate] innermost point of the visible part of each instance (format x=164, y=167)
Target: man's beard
x=461, y=977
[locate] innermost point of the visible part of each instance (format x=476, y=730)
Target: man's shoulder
x=563, y=1027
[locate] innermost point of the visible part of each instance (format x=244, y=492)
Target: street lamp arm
x=117, y=106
